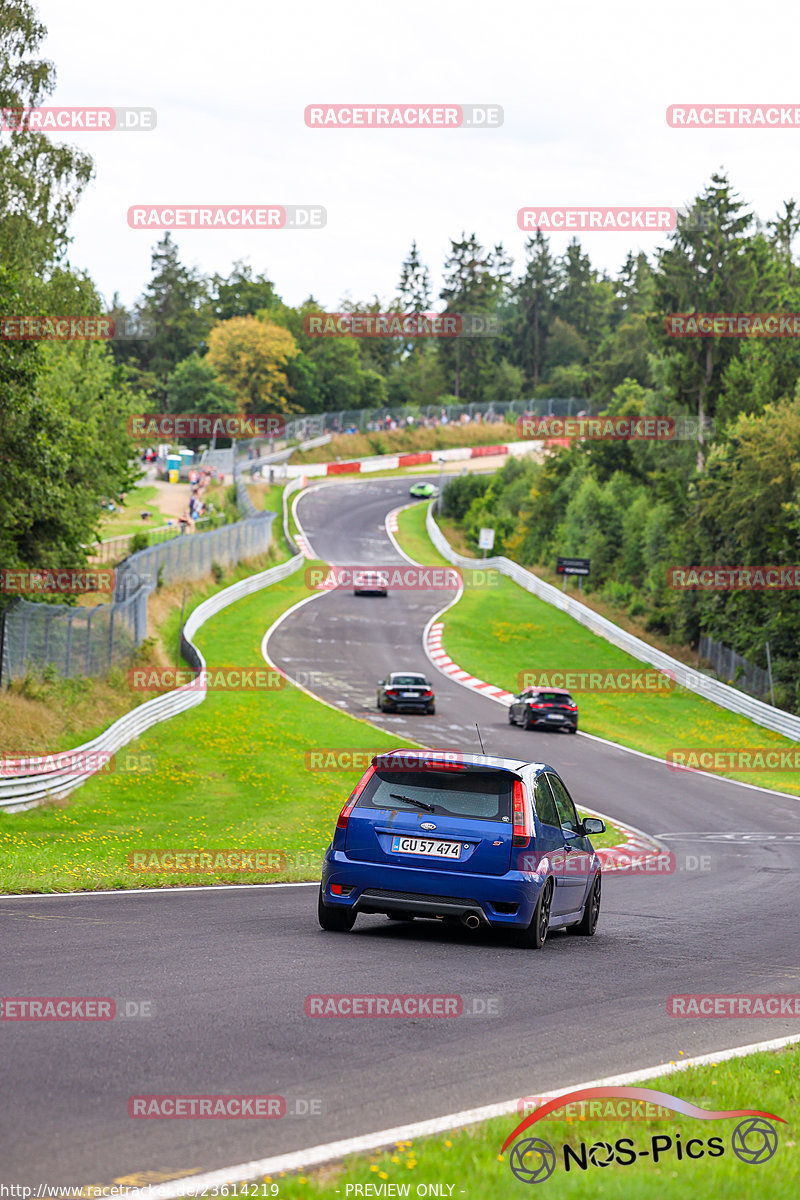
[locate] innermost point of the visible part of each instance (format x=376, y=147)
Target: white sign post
x=486, y=540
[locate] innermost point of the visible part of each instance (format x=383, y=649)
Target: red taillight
x=426, y=694
x=344, y=815
x=392, y=692
x=521, y=834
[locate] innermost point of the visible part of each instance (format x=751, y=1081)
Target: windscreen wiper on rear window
x=411, y=800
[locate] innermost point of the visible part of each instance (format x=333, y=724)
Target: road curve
x=227, y=970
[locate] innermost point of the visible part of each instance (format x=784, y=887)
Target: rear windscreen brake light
x=522, y=833
x=344, y=815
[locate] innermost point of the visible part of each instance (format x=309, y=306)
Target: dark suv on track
x=544, y=708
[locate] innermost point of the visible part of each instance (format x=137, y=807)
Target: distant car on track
x=423, y=491
x=547, y=708
x=405, y=690
x=484, y=841
x=374, y=583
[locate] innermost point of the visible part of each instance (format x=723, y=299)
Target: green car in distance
x=423, y=491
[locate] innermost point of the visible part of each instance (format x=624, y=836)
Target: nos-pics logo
x=533, y=1160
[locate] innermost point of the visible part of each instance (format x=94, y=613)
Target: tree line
x=565, y=328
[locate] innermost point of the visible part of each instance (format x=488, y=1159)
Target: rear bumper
x=385, y=888
x=567, y=723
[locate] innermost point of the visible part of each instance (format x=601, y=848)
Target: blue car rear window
x=479, y=795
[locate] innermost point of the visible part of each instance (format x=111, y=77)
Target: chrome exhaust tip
x=471, y=921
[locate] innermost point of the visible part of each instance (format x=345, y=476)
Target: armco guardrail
x=291, y=487
x=710, y=689
x=50, y=777
x=391, y=462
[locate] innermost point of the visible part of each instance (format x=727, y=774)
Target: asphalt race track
x=227, y=970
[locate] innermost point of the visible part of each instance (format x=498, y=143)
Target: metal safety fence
x=79, y=640
x=192, y=556
x=113, y=548
x=72, y=640
x=735, y=668
x=371, y=419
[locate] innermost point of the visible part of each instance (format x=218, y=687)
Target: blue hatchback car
x=459, y=837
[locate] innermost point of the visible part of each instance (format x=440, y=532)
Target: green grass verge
x=126, y=519
x=469, y=1159
x=266, y=496
x=229, y=774
x=419, y=439
x=498, y=632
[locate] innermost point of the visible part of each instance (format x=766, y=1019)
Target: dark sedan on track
x=370, y=583
x=544, y=708
x=406, y=691
x=469, y=838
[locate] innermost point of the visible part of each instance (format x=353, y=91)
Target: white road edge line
x=187, y=889
x=315, y=1156
x=301, y=531
x=396, y=513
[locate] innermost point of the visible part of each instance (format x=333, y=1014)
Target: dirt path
x=172, y=498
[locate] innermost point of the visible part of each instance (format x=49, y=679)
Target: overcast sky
x=584, y=88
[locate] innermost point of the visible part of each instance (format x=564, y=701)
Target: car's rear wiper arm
x=411, y=800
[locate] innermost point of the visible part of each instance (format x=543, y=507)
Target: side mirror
x=593, y=825
x=381, y=682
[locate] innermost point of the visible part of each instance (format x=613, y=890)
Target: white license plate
x=411, y=695
x=430, y=846
x=555, y=717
